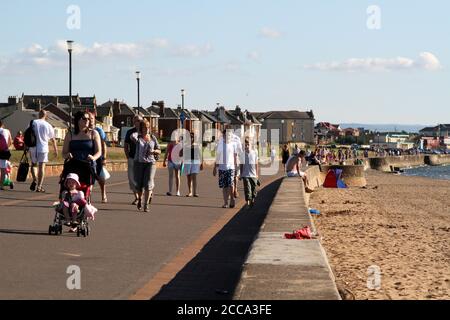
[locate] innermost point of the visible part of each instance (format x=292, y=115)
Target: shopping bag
x=105, y=175
x=24, y=168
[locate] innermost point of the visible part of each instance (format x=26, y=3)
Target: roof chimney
x=12, y=100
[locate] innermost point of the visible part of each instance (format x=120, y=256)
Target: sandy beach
x=399, y=224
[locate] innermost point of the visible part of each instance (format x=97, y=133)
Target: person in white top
x=240, y=151
x=249, y=173
x=273, y=155
x=5, y=143
x=39, y=154
x=226, y=164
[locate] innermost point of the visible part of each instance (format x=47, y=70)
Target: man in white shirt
x=239, y=150
x=39, y=155
x=226, y=164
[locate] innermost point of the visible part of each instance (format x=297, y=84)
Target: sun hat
x=73, y=176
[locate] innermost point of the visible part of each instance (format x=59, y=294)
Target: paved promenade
x=191, y=244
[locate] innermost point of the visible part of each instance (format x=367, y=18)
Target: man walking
x=130, y=152
x=39, y=154
x=249, y=173
x=226, y=164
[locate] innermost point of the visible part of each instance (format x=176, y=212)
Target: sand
x=398, y=224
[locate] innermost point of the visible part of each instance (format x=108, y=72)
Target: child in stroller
x=72, y=201
x=74, y=208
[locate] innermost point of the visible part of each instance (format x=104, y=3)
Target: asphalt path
x=125, y=249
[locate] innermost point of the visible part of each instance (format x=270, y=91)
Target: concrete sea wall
x=385, y=164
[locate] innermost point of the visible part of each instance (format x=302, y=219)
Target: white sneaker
x=178, y=194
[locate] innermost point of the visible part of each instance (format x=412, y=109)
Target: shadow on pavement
x=24, y=232
x=215, y=272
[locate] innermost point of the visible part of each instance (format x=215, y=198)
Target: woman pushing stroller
x=81, y=149
x=83, y=144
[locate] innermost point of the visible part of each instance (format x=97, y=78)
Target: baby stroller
x=86, y=175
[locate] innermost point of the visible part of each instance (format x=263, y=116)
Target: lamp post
x=292, y=131
x=138, y=79
x=182, y=115
x=69, y=49
x=182, y=98
x=282, y=127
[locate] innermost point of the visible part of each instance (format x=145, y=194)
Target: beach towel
x=301, y=234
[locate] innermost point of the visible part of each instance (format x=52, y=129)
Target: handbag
x=156, y=156
x=104, y=174
x=24, y=168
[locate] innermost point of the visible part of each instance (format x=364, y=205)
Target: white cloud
x=429, y=61
x=192, y=50
x=426, y=60
x=56, y=55
x=270, y=33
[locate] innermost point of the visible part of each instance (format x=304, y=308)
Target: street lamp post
x=138, y=78
x=70, y=48
x=182, y=117
x=282, y=127
x=292, y=131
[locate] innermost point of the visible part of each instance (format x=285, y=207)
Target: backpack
x=30, y=136
x=3, y=143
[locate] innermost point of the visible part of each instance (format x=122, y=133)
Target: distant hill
x=410, y=128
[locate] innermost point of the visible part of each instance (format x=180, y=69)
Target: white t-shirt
x=273, y=153
x=225, y=155
x=249, y=162
x=44, y=132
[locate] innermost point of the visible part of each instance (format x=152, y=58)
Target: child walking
x=249, y=173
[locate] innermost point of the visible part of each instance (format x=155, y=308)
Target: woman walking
x=174, y=165
x=285, y=154
x=83, y=144
x=147, y=148
x=193, y=165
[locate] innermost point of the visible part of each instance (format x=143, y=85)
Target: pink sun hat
x=74, y=177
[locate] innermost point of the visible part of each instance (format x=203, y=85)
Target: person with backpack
x=130, y=151
x=5, y=154
x=102, y=160
x=41, y=132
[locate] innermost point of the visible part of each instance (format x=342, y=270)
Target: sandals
x=139, y=205
x=40, y=190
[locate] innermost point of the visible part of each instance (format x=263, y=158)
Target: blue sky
x=262, y=55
